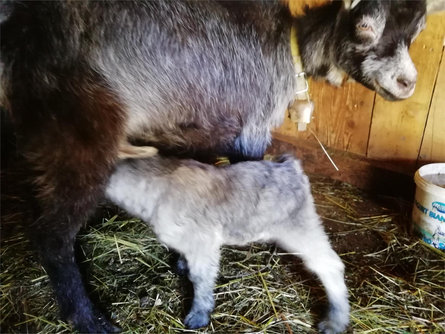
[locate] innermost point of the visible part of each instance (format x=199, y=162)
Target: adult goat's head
x=372, y=40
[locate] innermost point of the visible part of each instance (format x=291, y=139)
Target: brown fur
x=62, y=168
x=92, y=129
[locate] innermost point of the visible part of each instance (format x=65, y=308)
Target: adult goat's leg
x=53, y=237
x=70, y=144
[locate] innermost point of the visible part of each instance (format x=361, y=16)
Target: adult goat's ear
x=434, y=6
x=350, y=4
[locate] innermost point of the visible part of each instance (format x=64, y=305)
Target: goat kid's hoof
x=197, y=319
x=96, y=323
x=333, y=326
x=181, y=267
x=336, y=320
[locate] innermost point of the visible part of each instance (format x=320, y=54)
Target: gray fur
x=179, y=75
x=235, y=205
x=208, y=76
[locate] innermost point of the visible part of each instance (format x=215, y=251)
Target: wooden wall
x=405, y=133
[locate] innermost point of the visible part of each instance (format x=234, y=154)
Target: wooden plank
x=298, y=7
x=359, y=171
x=397, y=127
x=433, y=144
x=341, y=118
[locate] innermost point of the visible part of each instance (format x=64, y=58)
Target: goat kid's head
x=372, y=42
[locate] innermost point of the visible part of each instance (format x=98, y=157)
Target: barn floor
x=396, y=282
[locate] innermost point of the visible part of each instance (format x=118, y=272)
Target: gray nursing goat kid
x=234, y=205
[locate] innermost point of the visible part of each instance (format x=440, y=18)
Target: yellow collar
x=301, y=110
x=295, y=50
x=302, y=92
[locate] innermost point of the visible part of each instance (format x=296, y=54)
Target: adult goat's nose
x=405, y=83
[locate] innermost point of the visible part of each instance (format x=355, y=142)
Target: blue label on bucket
x=437, y=216
x=430, y=213
x=439, y=206
x=421, y=208
x=435, y=239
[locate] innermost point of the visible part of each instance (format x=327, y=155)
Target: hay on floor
x=396, y=282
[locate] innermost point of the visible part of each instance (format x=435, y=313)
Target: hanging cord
x=324, y=150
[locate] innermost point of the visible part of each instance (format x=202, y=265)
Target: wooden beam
x=433, y=143
x=341, y=117
x=373, y=176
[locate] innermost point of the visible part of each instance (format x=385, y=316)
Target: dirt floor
x=396, y=282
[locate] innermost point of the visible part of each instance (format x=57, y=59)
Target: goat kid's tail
x=290, y=159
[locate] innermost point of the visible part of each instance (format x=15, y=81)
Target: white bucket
x=429, y=204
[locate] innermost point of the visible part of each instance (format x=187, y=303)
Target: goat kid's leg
x=203, y=265
x=313, y=246
x=181, y=266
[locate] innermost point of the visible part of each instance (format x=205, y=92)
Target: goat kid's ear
x=350, y=4
x=434, y=6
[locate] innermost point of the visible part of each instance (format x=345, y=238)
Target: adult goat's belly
x=171, y=130
x=194, y=122
x=177, y=119
x=195, y=112
x=204, y=103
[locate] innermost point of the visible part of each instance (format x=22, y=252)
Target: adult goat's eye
x=363, y=26
x=365, y=31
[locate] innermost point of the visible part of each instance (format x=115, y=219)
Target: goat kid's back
x=239, y=200
x=196, y=208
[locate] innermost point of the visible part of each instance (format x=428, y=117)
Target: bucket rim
x=426, y=185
